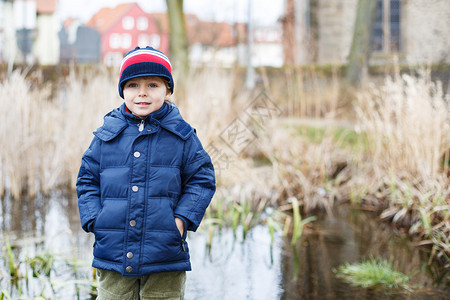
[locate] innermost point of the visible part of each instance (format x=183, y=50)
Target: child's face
x=144, y=95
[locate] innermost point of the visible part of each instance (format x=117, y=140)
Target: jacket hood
x=116, y=121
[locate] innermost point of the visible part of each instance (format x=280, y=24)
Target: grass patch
x=373, y=273
x=345, y=138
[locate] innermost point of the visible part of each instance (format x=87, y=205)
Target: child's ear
x=168, y=94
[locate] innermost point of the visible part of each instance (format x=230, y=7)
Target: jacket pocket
x=94, y=222
x=163, y=242
x=164, y=247
x=182, y=236
x=108, y=245
x=112, y=215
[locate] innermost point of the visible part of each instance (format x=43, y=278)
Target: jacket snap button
x=129, y=269
x=137, y=154
x=149, y=129
x=130, y=255
x=135, y=188
x=132, y=223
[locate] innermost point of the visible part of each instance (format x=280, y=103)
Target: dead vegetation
x=391, y=154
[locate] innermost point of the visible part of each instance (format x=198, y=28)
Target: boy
x=143, y=182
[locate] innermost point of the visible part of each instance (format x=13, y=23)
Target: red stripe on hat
x=145, y=57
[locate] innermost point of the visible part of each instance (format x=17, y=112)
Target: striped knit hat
x=145, y=62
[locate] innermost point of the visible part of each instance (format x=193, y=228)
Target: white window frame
x=113, y=58
x=125, y=42
x=142, y=23
x=114, y=40
x=143, y=40
x=128, y=22
x=155, y=41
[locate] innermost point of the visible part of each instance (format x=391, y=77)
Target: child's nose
x=142, y=91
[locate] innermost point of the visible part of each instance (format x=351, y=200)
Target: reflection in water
x=35, y=226
x=23, y=215
x=348, y=237
x=234, y=268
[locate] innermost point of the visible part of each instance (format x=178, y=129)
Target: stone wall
x=335, y=21
x=425, y=31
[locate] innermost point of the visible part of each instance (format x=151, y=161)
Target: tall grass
x=25, y=133
x=407, y=122
x=44, y=134
x=43, y=137
x=396, y=159
x=305, y=92
x=86, y=97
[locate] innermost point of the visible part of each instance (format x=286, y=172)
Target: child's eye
x=132, y=85
x=152, y=85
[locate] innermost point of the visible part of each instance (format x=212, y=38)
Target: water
x=233, y=268
x=348, y=237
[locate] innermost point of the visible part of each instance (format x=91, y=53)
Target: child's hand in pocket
x=180, y=225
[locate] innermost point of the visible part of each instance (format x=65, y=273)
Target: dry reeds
x=43, y=138
x=303, y=169
x=305, y=92
x=398, y=165
x=407, y=122
x=85, y=99
x=26, y=133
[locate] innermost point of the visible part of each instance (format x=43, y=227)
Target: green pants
x=166, y=285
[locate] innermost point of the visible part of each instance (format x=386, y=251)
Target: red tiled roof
x=46, y=6
x=218, y=34
x=162, y=21
x=106, y=16
x=206, y=33
x=211, y=33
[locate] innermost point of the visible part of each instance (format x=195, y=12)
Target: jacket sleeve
x=198, y=184
x=88, y=186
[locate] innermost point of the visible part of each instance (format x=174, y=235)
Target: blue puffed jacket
x=135, y=178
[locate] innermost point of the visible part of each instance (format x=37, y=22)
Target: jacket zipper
x=183, y=237
x=141, y=125
x=182, y=245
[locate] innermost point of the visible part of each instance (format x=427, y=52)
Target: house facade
x=415, y=31
x=79, y=43
x=8, y=42
x=123, y=27
x=213, y=43
x=267, y=46
x=28, y=32
x=224, y=44
x=46, y=42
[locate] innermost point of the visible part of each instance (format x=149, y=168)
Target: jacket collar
x=116, y=121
